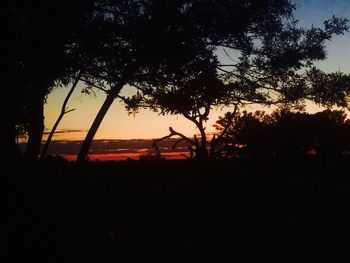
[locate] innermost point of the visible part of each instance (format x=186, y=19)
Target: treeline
x=284, y=133
x=167, y=51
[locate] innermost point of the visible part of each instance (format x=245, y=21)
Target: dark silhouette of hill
x=245, y=210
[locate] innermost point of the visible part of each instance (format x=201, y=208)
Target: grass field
x=169, y=211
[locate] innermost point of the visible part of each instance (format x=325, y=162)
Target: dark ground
x=172, y=211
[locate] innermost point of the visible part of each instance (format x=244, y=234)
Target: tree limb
x=63, y=112
x=173, y=133
x=68, y=111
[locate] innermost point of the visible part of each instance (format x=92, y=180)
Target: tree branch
x=68, y=111
x=173, y=133
x=103, y=88
x=63, y=112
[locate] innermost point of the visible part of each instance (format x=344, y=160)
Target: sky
x=117, y=124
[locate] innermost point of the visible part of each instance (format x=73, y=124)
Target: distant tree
x=242, y=134
x=291, y=133
x=331, y=132
x=284, y=133
x=271, y=58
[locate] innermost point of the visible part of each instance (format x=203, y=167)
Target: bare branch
x=173, y=133
x=68, y=111
x=154, y=144
x=228, y=55
x=103, y=88
x=229, y=123
x=124, y=99
x=63, y=112
x=177, y=142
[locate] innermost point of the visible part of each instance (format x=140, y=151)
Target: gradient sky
x=117, y=124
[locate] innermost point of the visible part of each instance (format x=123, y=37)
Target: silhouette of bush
x=331, y=132
x=287, y=133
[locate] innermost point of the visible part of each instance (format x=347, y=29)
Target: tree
x=284, y=133
x=273, y=64
x=200, y=89
x=291, y=133
x=64, y=110
x=328, y=89
x=243, y=134
x=331, y=132
x=36, y=37
x=151, y=41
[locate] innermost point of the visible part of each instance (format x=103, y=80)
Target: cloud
x=65, y=131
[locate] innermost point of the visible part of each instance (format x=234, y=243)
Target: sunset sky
x=119, y=125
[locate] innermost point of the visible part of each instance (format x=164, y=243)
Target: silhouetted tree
x=331, y=132
x=36, y=39
x=290, y=133
x=329, y=89
x=64, y=110
x=272, y=66
x=148, y=41
x=191, y=93
x=242, y=134
x=284, y=133
x=151, y=41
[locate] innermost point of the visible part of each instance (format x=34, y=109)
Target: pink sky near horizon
x=124, y=156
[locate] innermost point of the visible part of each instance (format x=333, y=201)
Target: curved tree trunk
x=201, y=148
x=63, y=112
x=202, y=151
x=84, y=150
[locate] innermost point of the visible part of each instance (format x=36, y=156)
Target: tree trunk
x=200, y=148
x=36, y=127
x=63, y=112
x=84, y=150
x=202, y=151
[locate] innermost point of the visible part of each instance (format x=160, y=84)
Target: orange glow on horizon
x=125, y=156
x=117, y=124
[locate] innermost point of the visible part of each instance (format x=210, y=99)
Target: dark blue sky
x=314, y=12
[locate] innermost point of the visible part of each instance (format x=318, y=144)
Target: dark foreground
x=172, y=211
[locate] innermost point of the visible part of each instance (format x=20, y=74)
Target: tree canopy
x=156, y=43
x=271, y=63
x=283, y=133
x=168, y=50
x=36, y=37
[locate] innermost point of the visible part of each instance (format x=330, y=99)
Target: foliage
x=241, y=132
x=284, y=133
x=154, y=45
x=168, y=50
x=36, y=36
x=271, y=59
x=329, y=89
